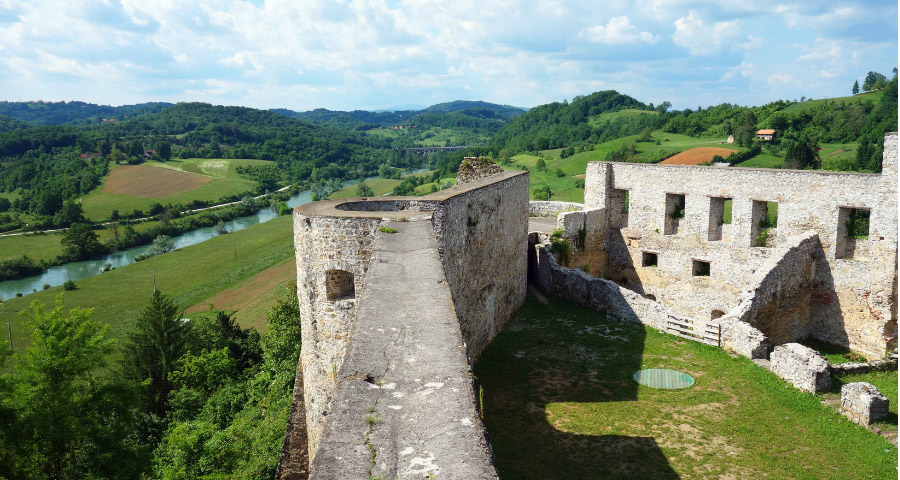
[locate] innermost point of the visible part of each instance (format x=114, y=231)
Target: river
x=88, y=268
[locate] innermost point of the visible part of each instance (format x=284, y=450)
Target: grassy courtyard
x=559, y=401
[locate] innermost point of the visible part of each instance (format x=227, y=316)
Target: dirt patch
x=246, y=297
x=697, y=156
x=151, y=182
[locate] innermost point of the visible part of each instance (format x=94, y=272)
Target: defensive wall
x=666, y=238
x=391, y=323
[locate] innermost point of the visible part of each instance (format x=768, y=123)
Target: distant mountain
x=59, y=113
x=365, y=120
x=401, y=108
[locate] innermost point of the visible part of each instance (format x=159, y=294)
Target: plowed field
x=152, y=182
x=697, y=155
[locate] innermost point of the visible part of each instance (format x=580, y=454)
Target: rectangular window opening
x=853, y=231
x=719, y=218
x=700, y=268
x=649, y=259
x=619, y=201
x=674, y=213
x=764, y=217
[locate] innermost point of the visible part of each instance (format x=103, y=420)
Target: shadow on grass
x=547, y=359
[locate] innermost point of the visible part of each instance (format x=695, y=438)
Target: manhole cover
x=663, y=378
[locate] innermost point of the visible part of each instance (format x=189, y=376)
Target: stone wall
x=863, y=404
x=776, y=299
x=480, y=236
x=802, y=367
x=541, y=208
x=599, y=294
x=852, y=299
x=482, y=233
x=323, y=244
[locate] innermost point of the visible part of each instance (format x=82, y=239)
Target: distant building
x=765, y=134
x=730, y=139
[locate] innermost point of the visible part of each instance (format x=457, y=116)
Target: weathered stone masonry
x=849, y=296
x=480, y=240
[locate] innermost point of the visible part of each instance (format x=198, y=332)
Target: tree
x=363, y=190
x=159, y=340
x=162, y=244
x=803, y=154
x=540, y=164
x=80, y=241
x=220, y=228
x=560, y=173
x=71, y=212
x=874, y=81
x=68, y=422
x=542, y=193
x=505, y=156
x=855, y=87
x=164, y=150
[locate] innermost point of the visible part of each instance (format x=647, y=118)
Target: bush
x=69, y=285
x=46, y=286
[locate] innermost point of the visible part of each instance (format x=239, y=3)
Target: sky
x=378, y=54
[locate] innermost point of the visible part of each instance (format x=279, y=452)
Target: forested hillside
x=58, y=113
x=69, y=161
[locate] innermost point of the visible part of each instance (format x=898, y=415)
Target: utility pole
x=153, y=274
x=9, y=331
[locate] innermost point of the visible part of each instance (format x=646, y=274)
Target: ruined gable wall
x=852, y=296
x=776, y=301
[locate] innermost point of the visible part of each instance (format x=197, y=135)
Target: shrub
x=46, y=286
x=69, y=285
x=387, y=230
x=561, y=248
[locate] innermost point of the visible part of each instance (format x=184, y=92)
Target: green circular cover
x=663, y=378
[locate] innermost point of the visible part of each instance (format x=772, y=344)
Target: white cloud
x=619, y=31
x=701, y=39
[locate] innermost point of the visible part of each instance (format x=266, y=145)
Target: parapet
x=398, y=296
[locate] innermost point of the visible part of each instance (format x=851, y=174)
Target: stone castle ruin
x=399, y=296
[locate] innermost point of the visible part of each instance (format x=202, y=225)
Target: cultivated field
x=137, y=187
x=559, y=401
x=251, y=298
x=151, y=182
x=696, y=156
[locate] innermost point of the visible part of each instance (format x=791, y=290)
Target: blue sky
x=370, y=54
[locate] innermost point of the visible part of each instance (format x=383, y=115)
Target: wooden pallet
x=703, y=332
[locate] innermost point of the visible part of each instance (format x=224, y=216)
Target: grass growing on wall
x=559, y=397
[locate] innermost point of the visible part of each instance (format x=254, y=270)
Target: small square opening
x=700, y=268
x=649, y=259
x=339, y=285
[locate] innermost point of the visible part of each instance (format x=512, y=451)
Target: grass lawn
x=188, y=275
x=559, y=401
x=98, y=205
x=37, y=247
x=875, y=97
